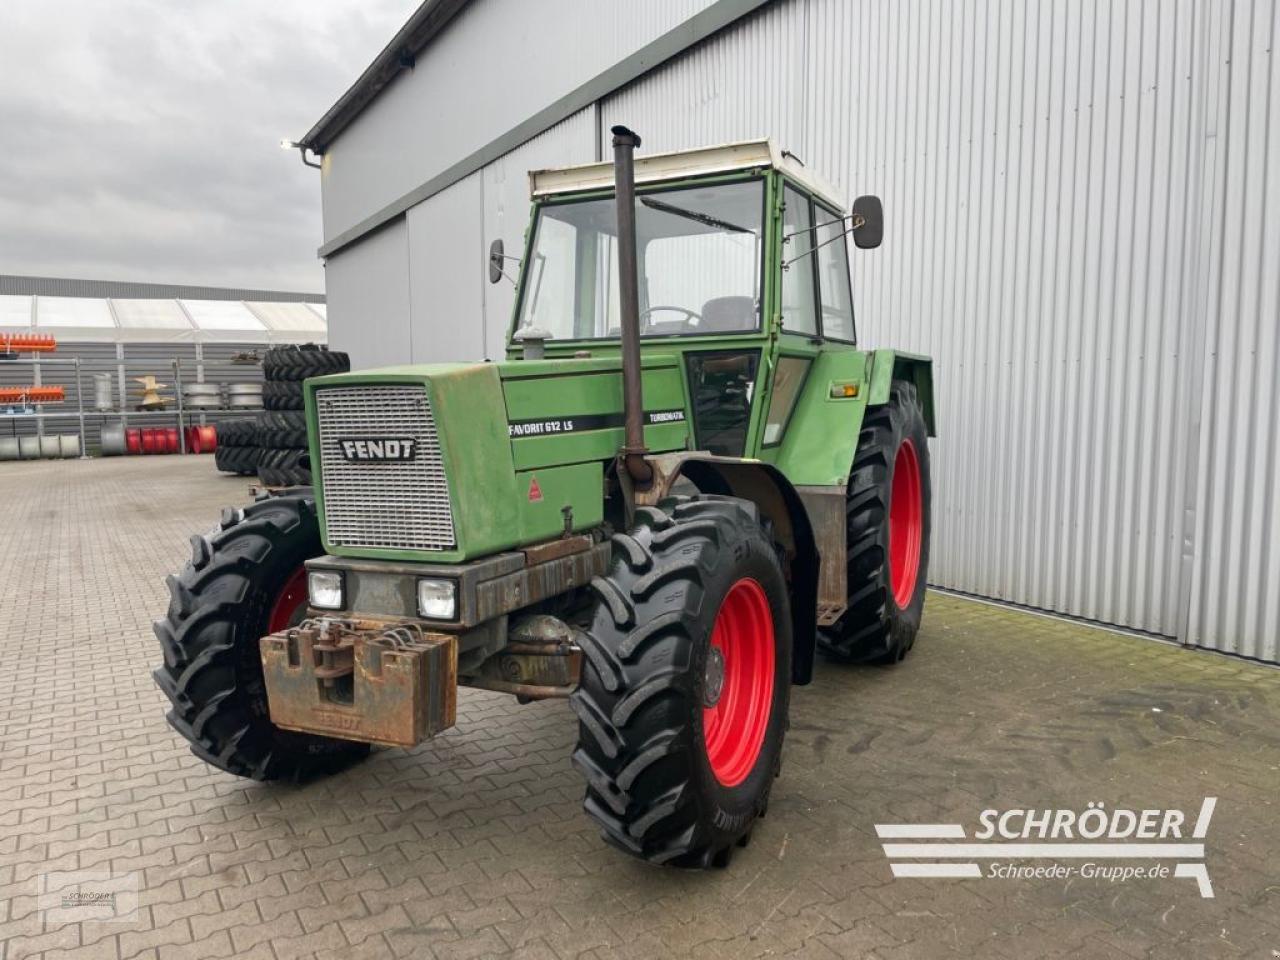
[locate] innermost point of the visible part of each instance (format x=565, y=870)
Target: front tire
x=887, y=514
x=685, y=686
x=244, y=580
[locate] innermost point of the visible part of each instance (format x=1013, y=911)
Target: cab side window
x=799, y=314
x=833, y=277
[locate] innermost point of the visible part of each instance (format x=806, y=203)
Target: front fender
x=769, y=489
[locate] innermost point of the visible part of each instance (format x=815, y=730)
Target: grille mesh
x=393, y=505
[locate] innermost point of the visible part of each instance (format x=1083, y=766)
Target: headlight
x=324, y=589
x=438, y=599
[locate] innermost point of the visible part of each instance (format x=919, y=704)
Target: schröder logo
x=1166, y=839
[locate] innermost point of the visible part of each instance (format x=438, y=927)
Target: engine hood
x=522, y=446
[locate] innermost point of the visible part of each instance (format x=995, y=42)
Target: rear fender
x=890, y=365
x=766, y=487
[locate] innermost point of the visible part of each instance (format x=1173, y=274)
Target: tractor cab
x=742, y=273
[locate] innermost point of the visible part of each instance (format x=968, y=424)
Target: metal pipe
x=534, y=691
x=84, y=449
x=633, y=449
x=177, y=390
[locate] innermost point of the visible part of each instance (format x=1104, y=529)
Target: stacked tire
x=282, y=427
x=237, y=449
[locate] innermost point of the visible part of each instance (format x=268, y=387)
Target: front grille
x=397, y=505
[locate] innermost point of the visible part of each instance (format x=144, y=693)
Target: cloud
x=139, y=139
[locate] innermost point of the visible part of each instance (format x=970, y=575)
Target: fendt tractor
x=683, y=482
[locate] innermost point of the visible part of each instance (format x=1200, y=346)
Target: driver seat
x=728, y=314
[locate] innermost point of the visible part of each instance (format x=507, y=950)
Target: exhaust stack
x=633, y=449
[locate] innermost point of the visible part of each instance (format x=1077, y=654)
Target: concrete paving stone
x=203, y=946
x=282, y=927
x=107, y=950
x=134, y=942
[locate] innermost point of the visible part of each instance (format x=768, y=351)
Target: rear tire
x=243, y=582
x=669, y=778
x=887, y=561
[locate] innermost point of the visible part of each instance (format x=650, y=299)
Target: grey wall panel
x=367, y=288
x=1030, y=158
x=495, y=64
x=1235, y=582
x=446, y=274
x=743, y=83
x=506, y=208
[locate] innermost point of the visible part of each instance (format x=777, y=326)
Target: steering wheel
x=690, y=315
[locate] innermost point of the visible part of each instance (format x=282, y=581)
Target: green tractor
x=682, y=482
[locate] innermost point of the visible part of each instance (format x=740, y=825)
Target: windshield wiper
x=703, y=218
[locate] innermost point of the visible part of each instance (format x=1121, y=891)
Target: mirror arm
x=818, y=226
x=788, y=263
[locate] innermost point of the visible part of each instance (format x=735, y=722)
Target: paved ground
x=474, y=844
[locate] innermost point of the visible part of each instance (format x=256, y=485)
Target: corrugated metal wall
x=1234, y=570
x=1083, y=209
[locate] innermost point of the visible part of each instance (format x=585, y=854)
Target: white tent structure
x=140, y=319
x=176, y=334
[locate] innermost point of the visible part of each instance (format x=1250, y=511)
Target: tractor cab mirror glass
x=868, y=222
x=496, y=256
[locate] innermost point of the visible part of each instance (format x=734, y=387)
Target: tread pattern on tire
x=282, y=395
x=236, y=433
x=871, y=629
x=282, y=430
x=238, y=460
x=293, y=363
x=284, y=468
x=633, y=746
x=218, y=702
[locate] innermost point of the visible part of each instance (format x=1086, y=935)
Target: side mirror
x=495, y=260
x=868, y=222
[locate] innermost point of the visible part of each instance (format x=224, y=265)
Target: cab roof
x=650, y=168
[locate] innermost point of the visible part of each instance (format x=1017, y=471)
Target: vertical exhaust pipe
x=633, y=449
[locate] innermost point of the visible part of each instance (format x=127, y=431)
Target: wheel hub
x=906, y=524
x=738, y=682
x=290, y=605
x=713, y=677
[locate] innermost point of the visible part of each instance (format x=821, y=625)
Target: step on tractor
x=684, y=481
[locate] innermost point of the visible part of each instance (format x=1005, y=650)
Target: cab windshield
x=698, y=254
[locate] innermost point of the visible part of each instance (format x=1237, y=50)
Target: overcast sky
x=139, y=139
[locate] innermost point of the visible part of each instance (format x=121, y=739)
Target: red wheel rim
x=291, y=604
x=740, y=657
x=906, y=524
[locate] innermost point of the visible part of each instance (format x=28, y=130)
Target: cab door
x=790, y=358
